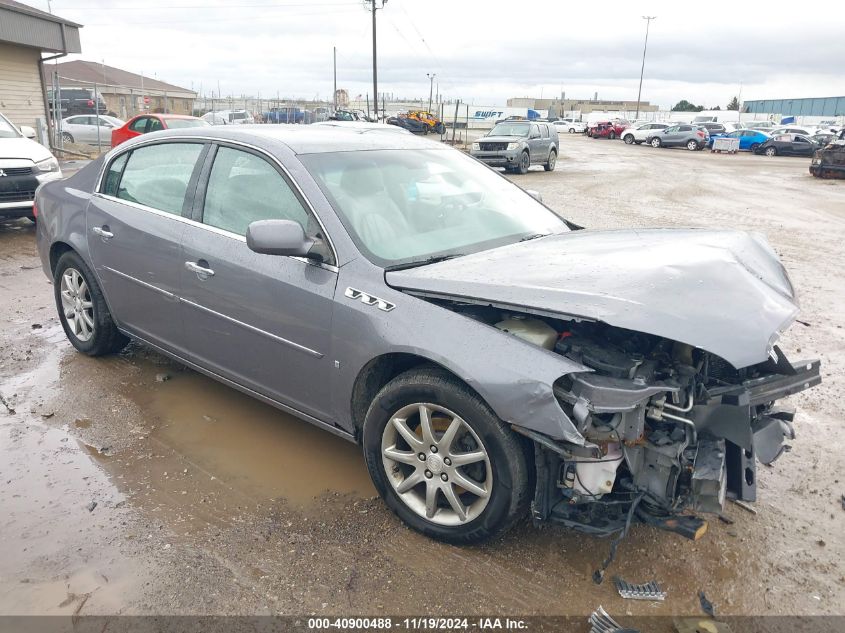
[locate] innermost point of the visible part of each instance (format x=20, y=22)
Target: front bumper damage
x=666, y=480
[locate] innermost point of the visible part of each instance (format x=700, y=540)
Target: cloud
x=482, y=52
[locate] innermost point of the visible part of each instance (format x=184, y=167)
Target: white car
x=24, y=165
x=570, y=125
x=82, y=128
x=228, y=117
x=640, y=133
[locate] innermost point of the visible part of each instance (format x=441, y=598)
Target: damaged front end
x=669, y=426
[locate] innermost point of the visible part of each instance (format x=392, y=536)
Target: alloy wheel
x=77, y=306
x=437, y=464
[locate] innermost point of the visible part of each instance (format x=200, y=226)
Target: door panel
x=134, y=236
x=263, y=321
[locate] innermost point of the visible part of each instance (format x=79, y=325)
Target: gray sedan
x=487, y=355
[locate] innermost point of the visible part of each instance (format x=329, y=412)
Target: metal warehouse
x=821, y=106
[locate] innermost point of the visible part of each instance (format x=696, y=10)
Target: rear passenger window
x=112, y=178
x=157, y=175
x=243, y=188
x=139, y=125
x=545, y=130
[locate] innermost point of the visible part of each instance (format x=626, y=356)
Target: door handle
x=202, y=271
x=103, y=231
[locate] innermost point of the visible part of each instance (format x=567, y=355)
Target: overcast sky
x=483, y=51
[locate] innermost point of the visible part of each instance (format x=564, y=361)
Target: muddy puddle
x=250, y=446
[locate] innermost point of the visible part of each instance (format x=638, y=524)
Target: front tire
x=692, y=145
x=771, y=151
x=82, y=308
x=67, y=138
x=629, y=139
x=550, y=165
x=524, y=163
x=655, y=142
x=572, y=130
x=443, y=461
x=611, y=136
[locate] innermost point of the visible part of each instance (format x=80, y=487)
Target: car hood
x=722, y=291
x=502, y=139
x=23, y=148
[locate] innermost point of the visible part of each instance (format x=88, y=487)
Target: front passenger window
x=243, y=188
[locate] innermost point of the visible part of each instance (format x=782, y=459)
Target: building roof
x=95, y=72
x=28, y=26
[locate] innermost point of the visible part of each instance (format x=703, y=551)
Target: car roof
x=307, y=139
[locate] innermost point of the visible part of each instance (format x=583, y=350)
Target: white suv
x=643, y=131
x=24, y=165
x=570, y=125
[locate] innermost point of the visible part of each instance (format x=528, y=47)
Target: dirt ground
x=133, y=486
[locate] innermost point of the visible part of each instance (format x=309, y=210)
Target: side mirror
x=279, y=237
x=27, y=131
x=535, y=194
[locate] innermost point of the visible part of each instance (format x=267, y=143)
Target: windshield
x=175, y=124
x=510, y=129
x=7, y=130
x=403, y=206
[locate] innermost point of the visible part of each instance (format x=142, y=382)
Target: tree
x=716, y=108
x=734, y=104
x=685, y=106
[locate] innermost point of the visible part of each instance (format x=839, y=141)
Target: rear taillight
x=34, y=210
x=90, y=103
x=700, y=133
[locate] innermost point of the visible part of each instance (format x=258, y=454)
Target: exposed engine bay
x=669, y=429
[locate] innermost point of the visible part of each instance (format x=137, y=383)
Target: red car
x=145, y=123
x=607, y=129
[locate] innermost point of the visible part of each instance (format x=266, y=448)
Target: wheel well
x=56, y=251
x=376, y=374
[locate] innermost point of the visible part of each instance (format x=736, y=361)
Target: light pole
x=373, y=8
x=431, y=77
x=648, y=19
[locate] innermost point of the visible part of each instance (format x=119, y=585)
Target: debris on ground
x=745, y=506
x=90, y=507
x=726, y=519
x=697, y=625
x=843, y=502
x=648, y=591
x=708, y=607
x=162, y=377
x=36, y=326
x=6, y=404
x=601, y=622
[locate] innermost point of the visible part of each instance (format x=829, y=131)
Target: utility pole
x=334, y=93
x=373, y=8
x=431, y=77
x=648, y=19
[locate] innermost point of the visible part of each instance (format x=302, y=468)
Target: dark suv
x=78, y=101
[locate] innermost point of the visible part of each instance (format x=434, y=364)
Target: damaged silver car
x=492, y=359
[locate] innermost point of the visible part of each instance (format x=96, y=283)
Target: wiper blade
x=534, y=237
x=424, y=262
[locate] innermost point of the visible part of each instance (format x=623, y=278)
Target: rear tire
x=499, y=473
x=66, y=137
x=611, y=136
x=550, y=165
x=692, y=145
x=629, y=139
x=82, y=308
x=754, y=147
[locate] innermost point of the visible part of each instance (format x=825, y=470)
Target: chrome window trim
x=213, y=139
x=207, y=227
